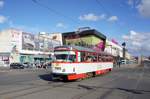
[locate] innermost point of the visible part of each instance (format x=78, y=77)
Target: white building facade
x=19, y=46
x=113, y=48
x=116, y=50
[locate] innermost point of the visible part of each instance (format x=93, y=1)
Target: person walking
x=118, y=61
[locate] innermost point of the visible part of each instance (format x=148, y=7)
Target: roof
x=80, y=48
x=86, y=32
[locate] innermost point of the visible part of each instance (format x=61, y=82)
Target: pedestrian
x=118, y=61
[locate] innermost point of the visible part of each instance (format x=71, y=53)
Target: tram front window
x=65, y=57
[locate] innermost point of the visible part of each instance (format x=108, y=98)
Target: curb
x=129, y=65
x=23, y=70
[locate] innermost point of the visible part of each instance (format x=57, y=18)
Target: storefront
x=26, y=58
x=4, y=59
x=42, y=58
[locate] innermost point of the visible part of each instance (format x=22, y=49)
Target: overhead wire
x=55, y=11
x=107, y=11
x=58, y=13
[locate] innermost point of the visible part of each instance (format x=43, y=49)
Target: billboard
x=90, y=41
x=28, y=42
x=38, y=42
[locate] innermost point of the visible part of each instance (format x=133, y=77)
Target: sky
x=123, y=20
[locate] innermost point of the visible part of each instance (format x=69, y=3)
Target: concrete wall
x=5, y=41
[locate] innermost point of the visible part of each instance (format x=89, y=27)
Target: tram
x=75, y=62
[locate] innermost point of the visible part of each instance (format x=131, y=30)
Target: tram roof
x=80, y=48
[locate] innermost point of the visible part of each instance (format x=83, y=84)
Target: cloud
x=144, y=8
x=130, y=2
x=34, y=29
x=138, y=42
x=3, y=19
x=102, y=16
x=92, y=17
x=60, y=25
x=1, y=3
x=113, y=19
x=133, y=3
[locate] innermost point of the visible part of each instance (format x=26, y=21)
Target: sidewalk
x=129, y=65
x=7, y=69
x=4, y=68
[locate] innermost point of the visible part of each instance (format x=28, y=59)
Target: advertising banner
x=89, y=41
x=38, y=43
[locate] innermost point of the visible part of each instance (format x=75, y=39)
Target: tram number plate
x=58, y=68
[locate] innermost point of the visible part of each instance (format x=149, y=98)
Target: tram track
x=35, y=88
x=92, y=89
x=31, y=90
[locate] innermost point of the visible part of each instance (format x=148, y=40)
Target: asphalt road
x=121, y=83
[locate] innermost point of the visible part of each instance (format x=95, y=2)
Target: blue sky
x=117, y=19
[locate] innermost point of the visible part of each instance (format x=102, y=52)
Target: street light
x=124, y=45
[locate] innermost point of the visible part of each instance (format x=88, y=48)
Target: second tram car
x=75, y=62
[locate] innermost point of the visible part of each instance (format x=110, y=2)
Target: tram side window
x=95, y=59
x=107, y=58
x=102, y=58
x=89, y=59
x=72, y=58
x=99, y=58
x=83, y=56
x=110, y=58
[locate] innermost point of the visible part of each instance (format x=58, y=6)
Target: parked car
x=16, y=66
x=28, y=65
x=124, y=61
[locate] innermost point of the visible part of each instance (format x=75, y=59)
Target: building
x=116, y=50
x=113, y=48
x=128, y=56
x=56, y=37
x=82, y=37
x=10, y=42
x=86, y=37
x=20, y=46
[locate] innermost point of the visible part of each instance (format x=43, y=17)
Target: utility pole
x=124, y=50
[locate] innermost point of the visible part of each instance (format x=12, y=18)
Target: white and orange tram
x=75, y=62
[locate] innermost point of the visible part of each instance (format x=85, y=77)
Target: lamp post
x=124, y=45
